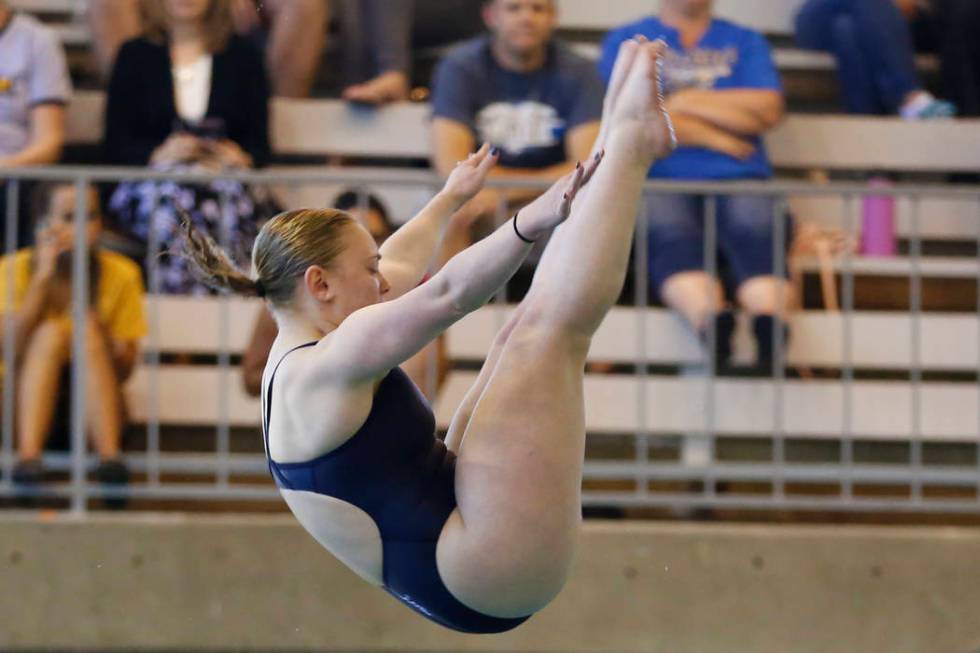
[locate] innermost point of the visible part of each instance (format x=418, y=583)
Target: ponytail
x=212, y=265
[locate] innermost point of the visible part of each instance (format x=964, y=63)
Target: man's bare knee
x=766, y=296
x=695, y=295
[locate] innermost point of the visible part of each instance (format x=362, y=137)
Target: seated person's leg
x=45, y=356
x=886, y=39
x=298, y=35
x=676, y=258
x=103, y=401
x=830, y=26
x=958, y=22
x=747, y=237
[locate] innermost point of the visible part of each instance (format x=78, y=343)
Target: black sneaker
x=113, y=474
x=28, y=475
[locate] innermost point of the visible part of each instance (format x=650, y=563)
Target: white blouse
x=192, y=88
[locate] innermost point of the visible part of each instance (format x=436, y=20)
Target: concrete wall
x=206, y=583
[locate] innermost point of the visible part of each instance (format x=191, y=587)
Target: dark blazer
x=141, y=110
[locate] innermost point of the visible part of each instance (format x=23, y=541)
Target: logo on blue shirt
x=518, y=127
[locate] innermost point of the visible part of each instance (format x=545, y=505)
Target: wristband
x=519, y=234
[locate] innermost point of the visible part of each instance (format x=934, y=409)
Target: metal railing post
x=779, y=369
x=223, y=434
x=153, y=396
x=641, y=293
x=79, y=370
x=9, y=333
x=711, y=394
x=847, y=371
x=915, y=333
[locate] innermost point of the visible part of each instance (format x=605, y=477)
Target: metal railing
x=695, y=464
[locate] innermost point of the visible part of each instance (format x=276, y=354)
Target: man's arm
x=453, y=142
x=747, y=112
x=47, y=138
x=694, y=132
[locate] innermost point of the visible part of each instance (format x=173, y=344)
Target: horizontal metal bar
x=592, y=499
x=788, y=472
x=170, y=463
x=837, y=504
x=194, y=464
x=98, y=174
x=183, y=491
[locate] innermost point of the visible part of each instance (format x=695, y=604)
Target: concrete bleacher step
x=882, y=340
x=801, y=142
x=49, y=6
x=773, y=17
x=200, y=395
x=947, y=412
x=879, y=341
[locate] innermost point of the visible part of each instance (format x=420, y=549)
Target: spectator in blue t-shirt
x=724, y=93
x=520, y=90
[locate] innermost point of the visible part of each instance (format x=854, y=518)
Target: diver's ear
x=319, y=284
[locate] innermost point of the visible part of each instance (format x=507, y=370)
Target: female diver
x=478, y=533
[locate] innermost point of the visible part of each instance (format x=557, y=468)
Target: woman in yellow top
x=40, y=301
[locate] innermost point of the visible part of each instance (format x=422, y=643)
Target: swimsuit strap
x=267, y=404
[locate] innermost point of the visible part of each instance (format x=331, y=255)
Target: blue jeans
x=744, y=236
x=873, y=46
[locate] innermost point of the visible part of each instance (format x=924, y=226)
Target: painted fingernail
x=565, y=196
x=494, y=151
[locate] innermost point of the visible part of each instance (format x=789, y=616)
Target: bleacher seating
x=202, y=395
x=833, y=142
x=577, y=17
x=801, y=142
x=669, y=404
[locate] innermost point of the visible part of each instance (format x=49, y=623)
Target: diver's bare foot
x=625, y=59
x=639, y=120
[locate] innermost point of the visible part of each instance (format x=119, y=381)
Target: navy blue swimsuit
x=399, y=473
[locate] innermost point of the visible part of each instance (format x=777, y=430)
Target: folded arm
x=746, y=112
x=694, y=132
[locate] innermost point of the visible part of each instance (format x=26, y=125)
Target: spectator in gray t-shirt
x=522, y=91
x=34, y=89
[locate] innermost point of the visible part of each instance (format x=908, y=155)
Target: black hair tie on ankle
x=519, y=234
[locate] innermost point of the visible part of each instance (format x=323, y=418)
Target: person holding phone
x=189, y=93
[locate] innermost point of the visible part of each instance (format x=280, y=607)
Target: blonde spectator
x=292, y=32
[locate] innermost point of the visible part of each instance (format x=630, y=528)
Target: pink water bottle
x=878, y=224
